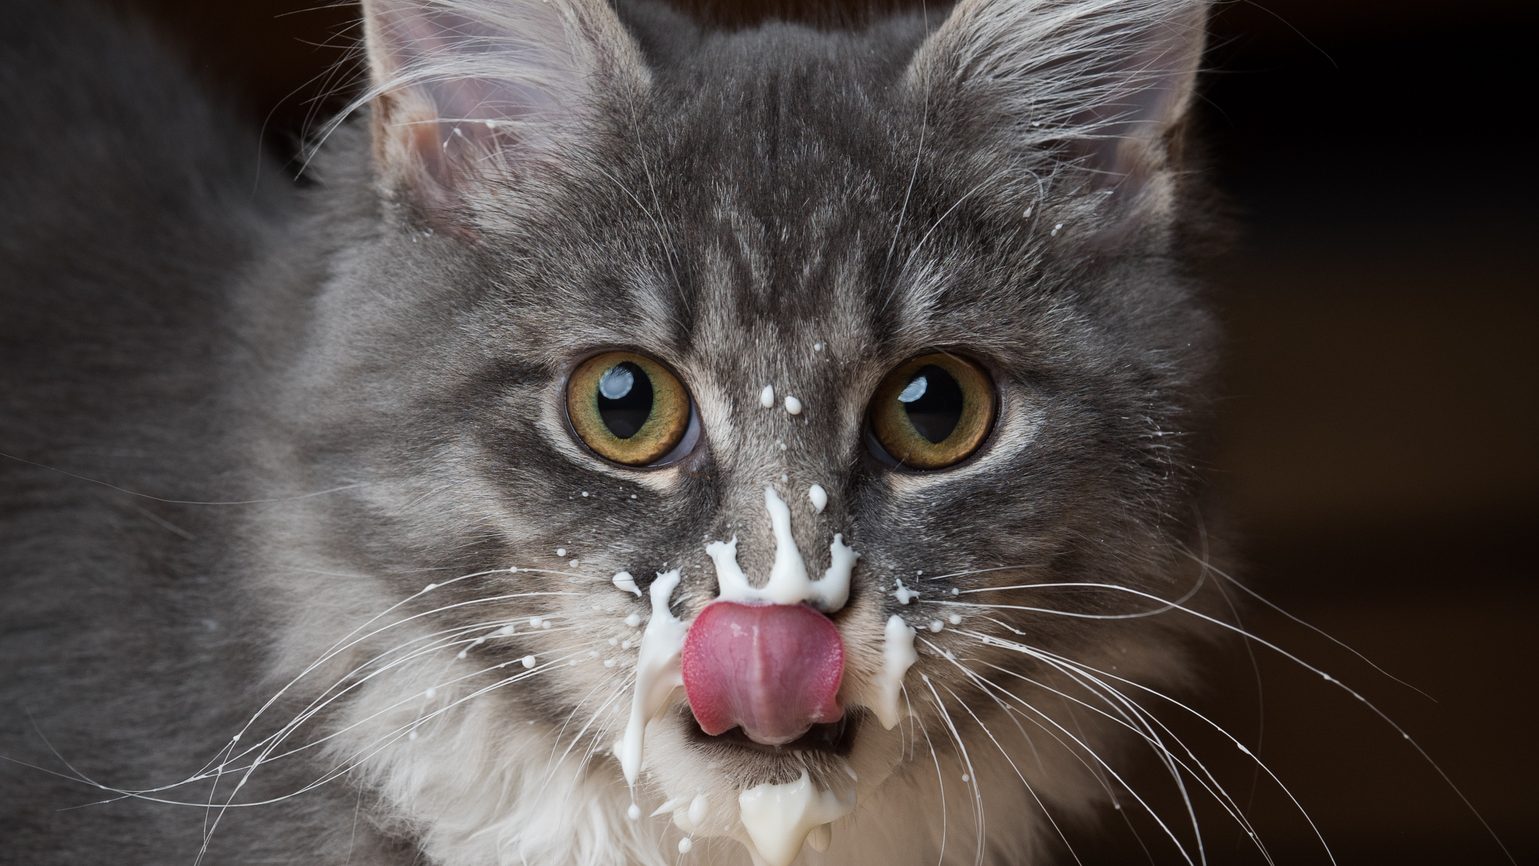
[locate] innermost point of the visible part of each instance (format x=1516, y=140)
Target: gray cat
x=638, y=444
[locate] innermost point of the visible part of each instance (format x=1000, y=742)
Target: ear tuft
x=459, y=86
x=1104, y=82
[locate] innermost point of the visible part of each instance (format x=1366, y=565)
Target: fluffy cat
x=375, y=520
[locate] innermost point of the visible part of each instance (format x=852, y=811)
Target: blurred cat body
x=289, y=478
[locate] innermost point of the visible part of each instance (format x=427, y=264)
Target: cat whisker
x=364, y=753
x=887, y=300
x=1096, y=771
x=318, y=705
x=967, y=762
x=1081, y=672
x=247, y=769
x=662, y=235
x=940, y=777
x=346, y=644
x=1295, y=659
x=554, y=760
x=593, y=744
x=1143, y=723
x=1175, y=839
x=1256, y=596
x=350, y=639
x=353, y=638
x=913, y=177
x=1130, y=715
x=1005, y=753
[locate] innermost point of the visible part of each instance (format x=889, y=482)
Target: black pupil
x=933, y=400
x=624, y=399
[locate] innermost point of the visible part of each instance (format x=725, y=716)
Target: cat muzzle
x=771, y=670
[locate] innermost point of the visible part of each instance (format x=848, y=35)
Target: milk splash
x=657, y=672
x=897, y=657
x=779, y=818
x=788, y=581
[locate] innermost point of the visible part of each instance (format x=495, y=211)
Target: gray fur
x=241, y=418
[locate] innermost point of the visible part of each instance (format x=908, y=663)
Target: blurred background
x=1381, y=411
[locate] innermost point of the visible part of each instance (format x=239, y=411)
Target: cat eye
x=932, y=411
x=628, y=408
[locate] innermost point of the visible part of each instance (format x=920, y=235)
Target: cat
x=633, y=443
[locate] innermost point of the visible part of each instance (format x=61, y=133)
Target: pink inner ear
x=772, y=670
x=461, y=85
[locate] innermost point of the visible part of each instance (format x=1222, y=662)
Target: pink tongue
x=773, y=669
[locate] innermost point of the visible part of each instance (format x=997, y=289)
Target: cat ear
x=463, y=85
x=1104, y=82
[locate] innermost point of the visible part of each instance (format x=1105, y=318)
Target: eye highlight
x=932, y=411
x=628, y=408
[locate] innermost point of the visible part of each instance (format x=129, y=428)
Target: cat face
x=923, y=286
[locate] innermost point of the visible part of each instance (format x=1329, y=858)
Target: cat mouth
x=836, y=739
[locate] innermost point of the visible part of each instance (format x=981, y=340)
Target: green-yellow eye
x=933, y=411
x=627, y=407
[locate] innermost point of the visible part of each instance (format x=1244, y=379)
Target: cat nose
x=771, y=669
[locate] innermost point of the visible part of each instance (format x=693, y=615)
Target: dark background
x=1381, y=412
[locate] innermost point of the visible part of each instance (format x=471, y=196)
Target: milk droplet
x=793, y=405
x=527, y=662
x=686, y=845
x=897, y=657
x=819, y=497
x=634, y=812
x=767, y=396
x=936, y=625
x=561, y=552
x=955, y=619
x=633, y=620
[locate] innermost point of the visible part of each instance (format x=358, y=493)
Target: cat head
x=633, y=305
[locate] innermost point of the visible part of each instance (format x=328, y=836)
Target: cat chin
x=699, y=784
x=482, y=787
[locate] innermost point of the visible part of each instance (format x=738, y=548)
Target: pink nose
x=773, y=670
